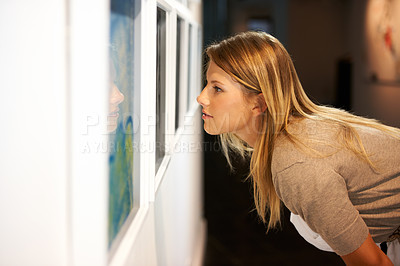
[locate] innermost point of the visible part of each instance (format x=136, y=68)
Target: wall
x=241, y=11
x=320, y=33
x=317, y=38
x=34, y=165
x=53, y=196
x=173, y=230
x=178, y=206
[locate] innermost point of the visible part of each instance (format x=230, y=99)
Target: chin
x=212, y=131
x=112, y=124
x=111, y=128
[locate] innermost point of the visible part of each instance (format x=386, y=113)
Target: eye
x=217, y=89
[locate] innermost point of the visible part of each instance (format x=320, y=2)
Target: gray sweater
x=336, y=192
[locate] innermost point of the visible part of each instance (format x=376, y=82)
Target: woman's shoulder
x=306, y=140
x=321, y=143
x=285, y=154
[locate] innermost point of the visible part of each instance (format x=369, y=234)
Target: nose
x=202, y=99
x=116, y=95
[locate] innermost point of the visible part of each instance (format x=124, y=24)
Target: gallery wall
x=55, y=154
x=317, y=40
x=366, y=33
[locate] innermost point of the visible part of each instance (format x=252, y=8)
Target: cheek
x=230, y=115
x=239, y=117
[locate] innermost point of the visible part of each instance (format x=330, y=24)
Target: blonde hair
x=260, y=63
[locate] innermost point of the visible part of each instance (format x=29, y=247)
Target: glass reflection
x=160, y=86
x=116, y=97
x=120, y=126
x=189, y=81
x=178, y=71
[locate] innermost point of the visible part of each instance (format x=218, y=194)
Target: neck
x=250, y=139
x=250, y=133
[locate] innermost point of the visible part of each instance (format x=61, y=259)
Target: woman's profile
x=115, y=99
x=338, y=173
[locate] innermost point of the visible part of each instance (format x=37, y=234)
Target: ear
x=259, y=105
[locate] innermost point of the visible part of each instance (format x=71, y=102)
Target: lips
x=205, y=115
x=114, y=112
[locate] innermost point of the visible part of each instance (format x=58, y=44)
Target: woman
x=339, y=174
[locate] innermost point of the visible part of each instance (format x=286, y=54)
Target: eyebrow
x=216, y=81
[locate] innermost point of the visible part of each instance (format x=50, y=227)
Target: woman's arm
x=367, y=254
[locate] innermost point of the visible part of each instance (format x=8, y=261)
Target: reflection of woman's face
x=115, y=98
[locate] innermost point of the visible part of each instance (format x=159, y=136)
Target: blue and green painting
x=121, y=112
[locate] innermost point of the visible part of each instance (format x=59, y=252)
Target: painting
x=120, y=124
x=383, y=40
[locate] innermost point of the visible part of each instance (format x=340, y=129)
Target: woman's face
x=225, y=108
x=115, y=98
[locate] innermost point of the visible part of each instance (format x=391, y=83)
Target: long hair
x=260, y=63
